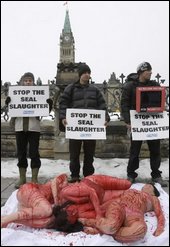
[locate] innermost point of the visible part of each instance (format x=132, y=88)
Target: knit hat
x=26, y=75
x=83, y=68
x=143, y=67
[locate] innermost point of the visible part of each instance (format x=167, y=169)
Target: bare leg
x=135, y=229
x=33, y=205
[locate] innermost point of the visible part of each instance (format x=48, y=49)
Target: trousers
x=89, y=151
x=30, y=140
x=155, y=158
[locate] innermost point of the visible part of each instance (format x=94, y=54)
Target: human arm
x=101, y=103
x=7, y=101
x=111, y=221
x=33, y=217
x=65, y=101
x=81, y=193
x=125, y=102
x=12, y=122
x=57, y=184
x=50, y=103
x=160, y=216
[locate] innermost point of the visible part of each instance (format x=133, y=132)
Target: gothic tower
x=67, y=50
x=66, y=68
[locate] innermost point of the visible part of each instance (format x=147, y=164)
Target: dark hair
x=143, y=67
x=61, y=222
x=83, y=68
x=27, y=74
x=156, y=192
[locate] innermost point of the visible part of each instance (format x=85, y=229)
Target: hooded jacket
x=80, y=96
x=128, y=99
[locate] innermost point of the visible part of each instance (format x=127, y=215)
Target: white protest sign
x=85, y=124
x=149, y=126
x=28, y=101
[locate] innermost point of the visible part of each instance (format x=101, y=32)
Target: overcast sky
x=110, y=36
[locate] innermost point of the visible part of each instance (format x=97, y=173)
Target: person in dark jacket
x=128, y=102
x=81, y=95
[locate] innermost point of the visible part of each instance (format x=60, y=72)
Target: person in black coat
x=128, y=102
x=81, y=95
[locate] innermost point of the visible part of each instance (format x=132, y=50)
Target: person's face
x=148, y=188
x=146, y=75
x=84, y=78
x=28, y=81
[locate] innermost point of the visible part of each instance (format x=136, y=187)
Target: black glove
x=50, y=102
x=8, y=100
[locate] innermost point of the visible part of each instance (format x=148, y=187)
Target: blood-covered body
x=102, y=203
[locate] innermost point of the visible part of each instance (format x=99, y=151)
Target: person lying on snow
x=98, y=204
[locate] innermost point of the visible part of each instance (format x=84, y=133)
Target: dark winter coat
x=128, y=99
x=80, y=96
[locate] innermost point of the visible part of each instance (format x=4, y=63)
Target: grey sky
x=110, y=36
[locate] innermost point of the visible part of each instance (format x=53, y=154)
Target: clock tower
x=67, y=50
x=66, y=68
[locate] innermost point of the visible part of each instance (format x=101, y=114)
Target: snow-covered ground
x=114, y=167
x=20, y=235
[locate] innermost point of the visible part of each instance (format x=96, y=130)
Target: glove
x=8, y=100
x=50, y=102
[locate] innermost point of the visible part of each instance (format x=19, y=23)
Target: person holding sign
x=128, y=102
x=81, y=95
x=27, y=132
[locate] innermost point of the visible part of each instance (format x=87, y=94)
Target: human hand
x=105, y=123
x=158, y=232
x=8, y=100
x=64, y=122
x=128, y=126
x=90, y=230
x=50, y=102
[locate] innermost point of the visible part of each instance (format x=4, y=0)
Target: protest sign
x=149, y=126
x=28, y=101
x=85, y=124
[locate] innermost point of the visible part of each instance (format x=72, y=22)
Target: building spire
x=67, y=26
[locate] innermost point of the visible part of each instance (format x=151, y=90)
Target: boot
x=35, y=175
x=160, y=181
x=74, y=180
x=22, y=179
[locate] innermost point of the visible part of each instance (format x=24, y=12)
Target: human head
x=151, y=189
x=83, y=68
x=144, y=71
x=27, y=79
x=143, y=67
x=63, y=222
